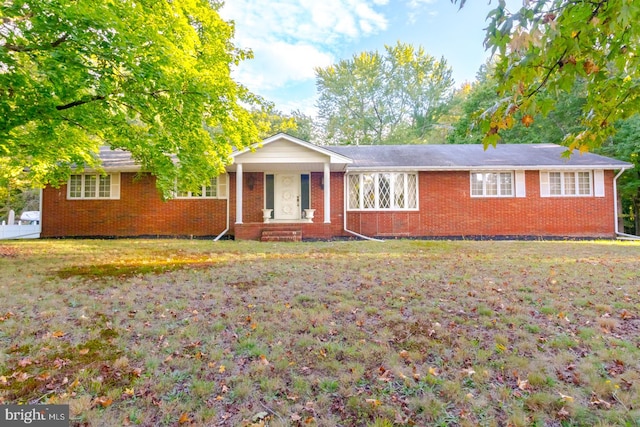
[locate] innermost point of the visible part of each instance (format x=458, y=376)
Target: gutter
x=228, y=202
x=344, y=216
x=621, y=235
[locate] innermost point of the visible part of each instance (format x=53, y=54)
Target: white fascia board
x=334, y=157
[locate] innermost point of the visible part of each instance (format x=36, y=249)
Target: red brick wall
x=140, y=211
x=446, y=209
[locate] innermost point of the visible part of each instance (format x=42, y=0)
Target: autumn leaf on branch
x=546, y=47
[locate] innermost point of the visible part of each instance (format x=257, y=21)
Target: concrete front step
x=275, y=235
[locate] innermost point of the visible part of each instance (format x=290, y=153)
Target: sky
x=289, y=38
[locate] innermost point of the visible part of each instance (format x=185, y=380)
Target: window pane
x=368, y=191
x=211, y=189
x=354, y=191
x=584, y=183
x=491, y=184
x=90, y=185
x=75, y=186
x=412, y=189
x=398, y=192
x=105, y=186
x=476, y=184
x=506, y=188
x=569, y=184
x=555, y=183
x=384, y=190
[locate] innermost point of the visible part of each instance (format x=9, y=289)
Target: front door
x=287, y=197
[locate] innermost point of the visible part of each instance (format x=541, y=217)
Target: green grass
x=151, y=332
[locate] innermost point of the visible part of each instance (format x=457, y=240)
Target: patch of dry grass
x=170, y=332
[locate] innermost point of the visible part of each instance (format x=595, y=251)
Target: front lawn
x=179, y=332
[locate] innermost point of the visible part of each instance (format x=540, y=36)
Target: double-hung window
x=570, y=184
x=492, y=184
x=216, y=188
x=93, y=186
x=382, y=191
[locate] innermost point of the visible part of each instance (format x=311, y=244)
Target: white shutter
x=544, y=184
x=115, y=186
x=598, y=183
x=521, y=190
x=222, y=186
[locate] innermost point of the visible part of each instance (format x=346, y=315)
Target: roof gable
x=285, y=147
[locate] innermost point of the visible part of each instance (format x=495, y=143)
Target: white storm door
x=286, y=201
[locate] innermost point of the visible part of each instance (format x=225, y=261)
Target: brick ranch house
x=288, y=188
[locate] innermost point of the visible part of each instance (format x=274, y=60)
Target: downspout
x=621, y=235
x=344, y=216
x=228, y=201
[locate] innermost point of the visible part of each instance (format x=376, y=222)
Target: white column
x=239, y=194
x=327, y=194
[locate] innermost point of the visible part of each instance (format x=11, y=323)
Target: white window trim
x=596, y=183
x=484, y=188
x=376, y=189
x=222, y=184
x=114, y=190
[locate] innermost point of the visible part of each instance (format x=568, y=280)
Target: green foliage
x=548, y=45
x=552, y=127
x=271, y=121
x=150, y=76
x=15, y=193
x=625, y=145
x=383, y=98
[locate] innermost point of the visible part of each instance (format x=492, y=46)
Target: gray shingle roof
x=471, y=156
x=436, y=157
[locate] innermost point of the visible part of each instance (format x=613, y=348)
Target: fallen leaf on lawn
x=260, y=416
x=221, y=369
x=25, y=362
x=563, y=414
x=295, y=417
x=596, y=401
x=136, y=372
x=83, y=351
x=103, y=401
x=57, y=334
x=374, y=402
x=129, y=391
x=433, y=371
x=3, y=380
x=404, y=354
x=523, y=384
x=22, y=376
x=184, y=418
x=263, y=360
x=565, y=397
x=470, y=372
x=309, y=420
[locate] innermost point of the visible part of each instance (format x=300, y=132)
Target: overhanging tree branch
x=80, y=102
x=52, y=45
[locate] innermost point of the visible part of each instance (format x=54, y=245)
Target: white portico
x=285, y=165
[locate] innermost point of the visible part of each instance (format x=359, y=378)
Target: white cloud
x=277, y=63
x=291, y=37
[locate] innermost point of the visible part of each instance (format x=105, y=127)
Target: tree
x=271, y=121
x=625, y=145
x=546, y=45
x=148, y=76
x=375, y=98
x=564, y=119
